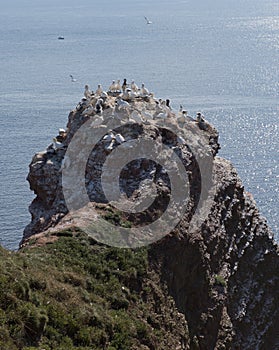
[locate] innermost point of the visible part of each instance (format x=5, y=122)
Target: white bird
x=147, y=20
x=134, y=86
x=72, y=79
x=119, y=138
x=144, y=91
x=87, y=92
x=110, y=146
x=122, y=104
x=200, y=117
x=135, y=117
x=118, y=86
x=56, y=144
x=110, y=136
x=112, y=87
x=104, y=95
x=99, y=90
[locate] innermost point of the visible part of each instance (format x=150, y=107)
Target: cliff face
x=222, y=274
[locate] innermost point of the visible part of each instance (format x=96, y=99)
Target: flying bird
x=147, y=20
x=72, y=79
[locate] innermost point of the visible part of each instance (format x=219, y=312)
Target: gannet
x=56, y=144
x=134, y=86
x=200, y=117
x=119, y=138
x=110, y=136
x=87, y=92
x=118, y=86
x=147, y=20
x=144, y=91
x=122, y=104
x=112, y=87
x=99, y=90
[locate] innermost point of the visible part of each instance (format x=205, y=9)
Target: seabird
x=110, y=136
x=87, y=92
x=134, y=86
x=112, y=87
x=119, y=138
x=124, y=85
x=147, y=20
x=144, y=91
x=122, y=104
x=200, y=117
x=117, y=86
x=56, y=144
x=72, y=79
x=99, y=90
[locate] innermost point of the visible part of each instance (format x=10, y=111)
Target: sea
x=218, y=57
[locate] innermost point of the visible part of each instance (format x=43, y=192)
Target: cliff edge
x=222, y=274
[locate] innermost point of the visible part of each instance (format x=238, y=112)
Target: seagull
x=72, y=79
x=147, y=20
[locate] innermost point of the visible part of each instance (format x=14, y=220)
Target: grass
x=71, y=294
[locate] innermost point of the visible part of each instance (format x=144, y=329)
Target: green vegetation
x=220, y=281
x=73, y=294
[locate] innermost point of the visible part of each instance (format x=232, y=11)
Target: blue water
x=219, y=57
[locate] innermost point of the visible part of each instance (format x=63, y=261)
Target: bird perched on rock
x=118, y=86
x=200, y=117
x=201, y=122
x=112, y=87
x=144, y=91
x=124, y=85
x=119, y=138
x=99, y=90
x=109, y=136
x=121, y=104
x=87, y=92
x=134, y=86
x=56, y=144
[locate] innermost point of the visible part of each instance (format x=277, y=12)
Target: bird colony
x=126, y=103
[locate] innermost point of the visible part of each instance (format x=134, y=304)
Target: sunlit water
x=219, y=57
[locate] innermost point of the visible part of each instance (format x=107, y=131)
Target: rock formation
x=223, y=275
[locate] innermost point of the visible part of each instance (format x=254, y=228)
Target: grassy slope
x=76, y=294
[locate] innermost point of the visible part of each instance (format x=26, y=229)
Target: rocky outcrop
x=223, y=275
